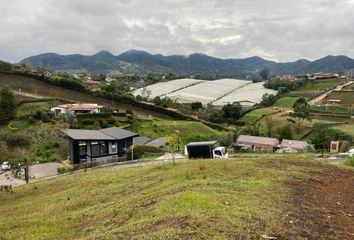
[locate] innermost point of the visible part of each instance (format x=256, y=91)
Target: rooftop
x=209, y=143
x=112, y=133
x=118, y=133
x=293, y=144
x=78, y=134
x=80, y=106
x=257, y=140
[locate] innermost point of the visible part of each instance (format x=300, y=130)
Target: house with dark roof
x=98, y=145
x=257, y=143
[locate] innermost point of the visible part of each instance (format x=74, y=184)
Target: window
x=217, y=152
x=82, y=149
x=99, y=149
x=114, y=147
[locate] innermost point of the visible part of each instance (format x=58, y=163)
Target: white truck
x=210, y=149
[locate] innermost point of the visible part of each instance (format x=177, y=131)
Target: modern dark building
x=98, y=145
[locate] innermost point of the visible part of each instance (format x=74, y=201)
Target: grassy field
x=321, y=84
x=346, y=97
x=254, y=115
x=348, y=128
x=213, y=199
x=333, y=109
x=287, y=102
x=190, y=130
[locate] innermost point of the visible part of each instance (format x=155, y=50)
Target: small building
x=98, y=145
x=292, y=146
x=334, y=101
x=77, y=108
x=257, y=143
x=339, y=146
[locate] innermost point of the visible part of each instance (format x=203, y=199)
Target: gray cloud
x=274, y=29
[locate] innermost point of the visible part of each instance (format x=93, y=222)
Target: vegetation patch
x=287, y=102
x=321, y=84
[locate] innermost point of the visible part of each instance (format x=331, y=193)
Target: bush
x=349, y=162
x=87, y=122
x=65, y=167
x=141, y=150
x=16, y=140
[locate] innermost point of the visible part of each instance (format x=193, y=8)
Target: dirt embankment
x=323, y=206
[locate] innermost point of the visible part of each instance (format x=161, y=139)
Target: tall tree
x=7, y=105
x=300, y=113
x=285, y=132
x=232, y=112
x=264, y=73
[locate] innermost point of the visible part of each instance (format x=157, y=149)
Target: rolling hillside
x=141, y=62
x=203, y=199
x=39, y=89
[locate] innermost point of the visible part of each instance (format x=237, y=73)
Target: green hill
x=205, y=199
x=40, y=89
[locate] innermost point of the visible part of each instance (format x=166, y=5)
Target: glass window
x=82, y=150
x=99, y=149
x=114, y=147
x=217, y=152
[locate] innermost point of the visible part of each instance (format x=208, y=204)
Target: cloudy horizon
x=274, y=29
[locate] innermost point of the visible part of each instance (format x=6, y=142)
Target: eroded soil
x=323, y=206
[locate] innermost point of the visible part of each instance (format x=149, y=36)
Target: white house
x=77, y=108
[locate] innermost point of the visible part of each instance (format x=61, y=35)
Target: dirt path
x=323, y=206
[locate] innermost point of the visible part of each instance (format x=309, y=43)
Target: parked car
x=5, y=166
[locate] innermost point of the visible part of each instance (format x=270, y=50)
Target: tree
x=264, y=73
x=157, y=101
x=173, y=140
x=7, y=105
x=270, y=125
x=232, y=112
x=285, y=132
x=5, y=153
x=43, y=71
x=196, y=105
x=268, y=100
x=322, y=135
x=5, y=66
x=321, y=138
x=25, y=67
x=300, y=113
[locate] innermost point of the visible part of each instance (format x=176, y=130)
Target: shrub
x=31, y=119
x=349, y=162
x=87, y=122
x=16, y=140
x=65, y=167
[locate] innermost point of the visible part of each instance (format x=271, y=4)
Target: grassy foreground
x=219, y=199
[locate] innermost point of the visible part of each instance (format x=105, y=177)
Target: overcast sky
x=281, y=30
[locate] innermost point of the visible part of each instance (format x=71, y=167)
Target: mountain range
x=142, y=62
